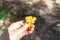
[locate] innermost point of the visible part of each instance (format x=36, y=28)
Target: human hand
x=19, y=29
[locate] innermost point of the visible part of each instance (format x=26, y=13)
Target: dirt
x=44, y=26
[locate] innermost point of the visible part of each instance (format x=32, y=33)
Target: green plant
x=5, y=13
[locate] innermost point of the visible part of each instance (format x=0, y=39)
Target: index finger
x=15, y=25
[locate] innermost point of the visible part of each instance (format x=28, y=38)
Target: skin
x=19, y=29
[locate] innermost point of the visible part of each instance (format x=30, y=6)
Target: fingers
x=20, y=22
x=22, y=29
x=30, y=31
x=32, y=28
x=15, y=25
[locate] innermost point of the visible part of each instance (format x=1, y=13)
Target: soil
x=44, y=26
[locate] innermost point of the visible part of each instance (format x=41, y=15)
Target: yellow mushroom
x=30, y=19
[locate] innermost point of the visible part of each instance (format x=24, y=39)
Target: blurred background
x=46, y=11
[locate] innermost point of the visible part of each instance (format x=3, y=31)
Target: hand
x=19, y=29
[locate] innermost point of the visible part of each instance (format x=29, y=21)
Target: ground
x=47, y=13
